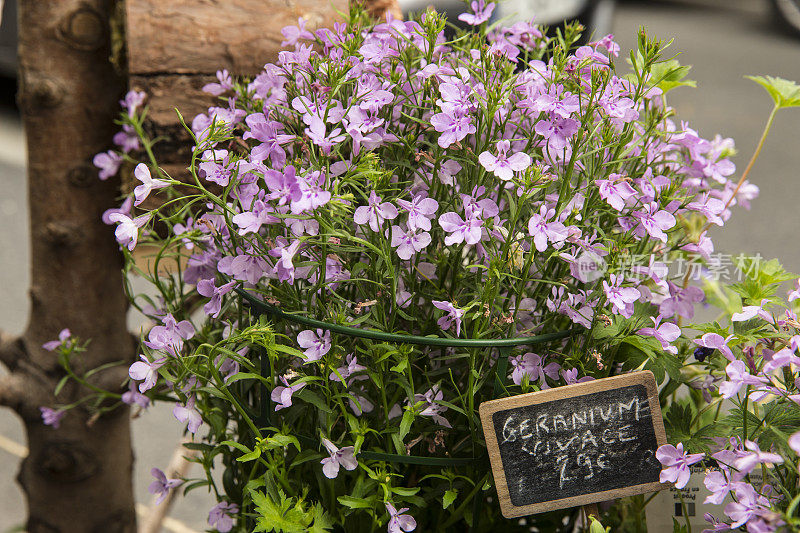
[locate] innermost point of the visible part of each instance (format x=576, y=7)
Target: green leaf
x=252, y=456
x=279, y=517
x=784, y=93
x=322, y=522
x=354, y=503
x=405, y=491
x=304, y=457
x=597, y=527
x=195, y=485
x=405, y=424
x=246, y=375
x=671, y=74
x=279, y=440
x=199, y=446
x=314, y=399
x=401, y=366
x=61, y=383
x=240, y=447
x=448, y=498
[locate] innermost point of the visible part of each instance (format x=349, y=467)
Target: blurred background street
x=723, y=40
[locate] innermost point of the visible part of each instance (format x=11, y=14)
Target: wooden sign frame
x=488, y=409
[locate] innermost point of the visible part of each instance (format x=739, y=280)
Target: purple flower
x=433, y=408
x=52, y=417
x=420, y=211
x=132, y=101
x=284, y=266
x=504, y=166
x=294, y=33
x=146, y=372
x=481, y=12
x=188, y=415
x=213, y=171
x=338, y=457
x=134, y=397
x=553, y=101
x=267, y=132
x=748, y=506
x=229, y=366
x=737, y=377
x=244, y=267
x=751, y=311
x=794, y=442
x=665, y=333
x=680, y=301
x=532, y=366
x=161, y=485
x=216, y=89
x=712, y=208
x=621, y=298
x=124, y=209
x=748, y=460
x=316, y=344
x=359, y=404
x=719, y=483
x=346, y=373
x=616, y=191
x=557, y=130
x=452, y=126
x=375, y=212
x=127, y=233
x=468, y=230
x=221, y=516
x=409, y=242
x=205, y=287
x=398, y=520
x=706, y=385
x=251, y=221
x=794, y=294
x=676, y=464
x=655, y=221
x=282, y=394
x=108, y=163
x=170, y=335
x=571, y=377
x=716, y=524
x=452, y=314
x=312, y=193
x=782, y=358
x=141, y=192
x=543, y=231
x=704, y=246
x=316, y=132
x=126, y=139
x=63, y=338
x=284, y=186
x=715, y=341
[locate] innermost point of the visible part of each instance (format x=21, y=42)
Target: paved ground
x=724, y=40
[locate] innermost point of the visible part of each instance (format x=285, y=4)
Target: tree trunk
x=78, y=477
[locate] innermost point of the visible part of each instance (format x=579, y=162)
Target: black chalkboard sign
x=575, y=445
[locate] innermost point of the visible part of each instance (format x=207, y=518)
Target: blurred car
x=594, y=14
x=789, y=12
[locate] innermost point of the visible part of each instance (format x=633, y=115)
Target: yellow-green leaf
x=784, y=93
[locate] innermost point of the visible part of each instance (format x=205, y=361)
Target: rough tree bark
x=78, y=477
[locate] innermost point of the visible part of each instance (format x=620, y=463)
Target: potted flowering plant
x=500, y=184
